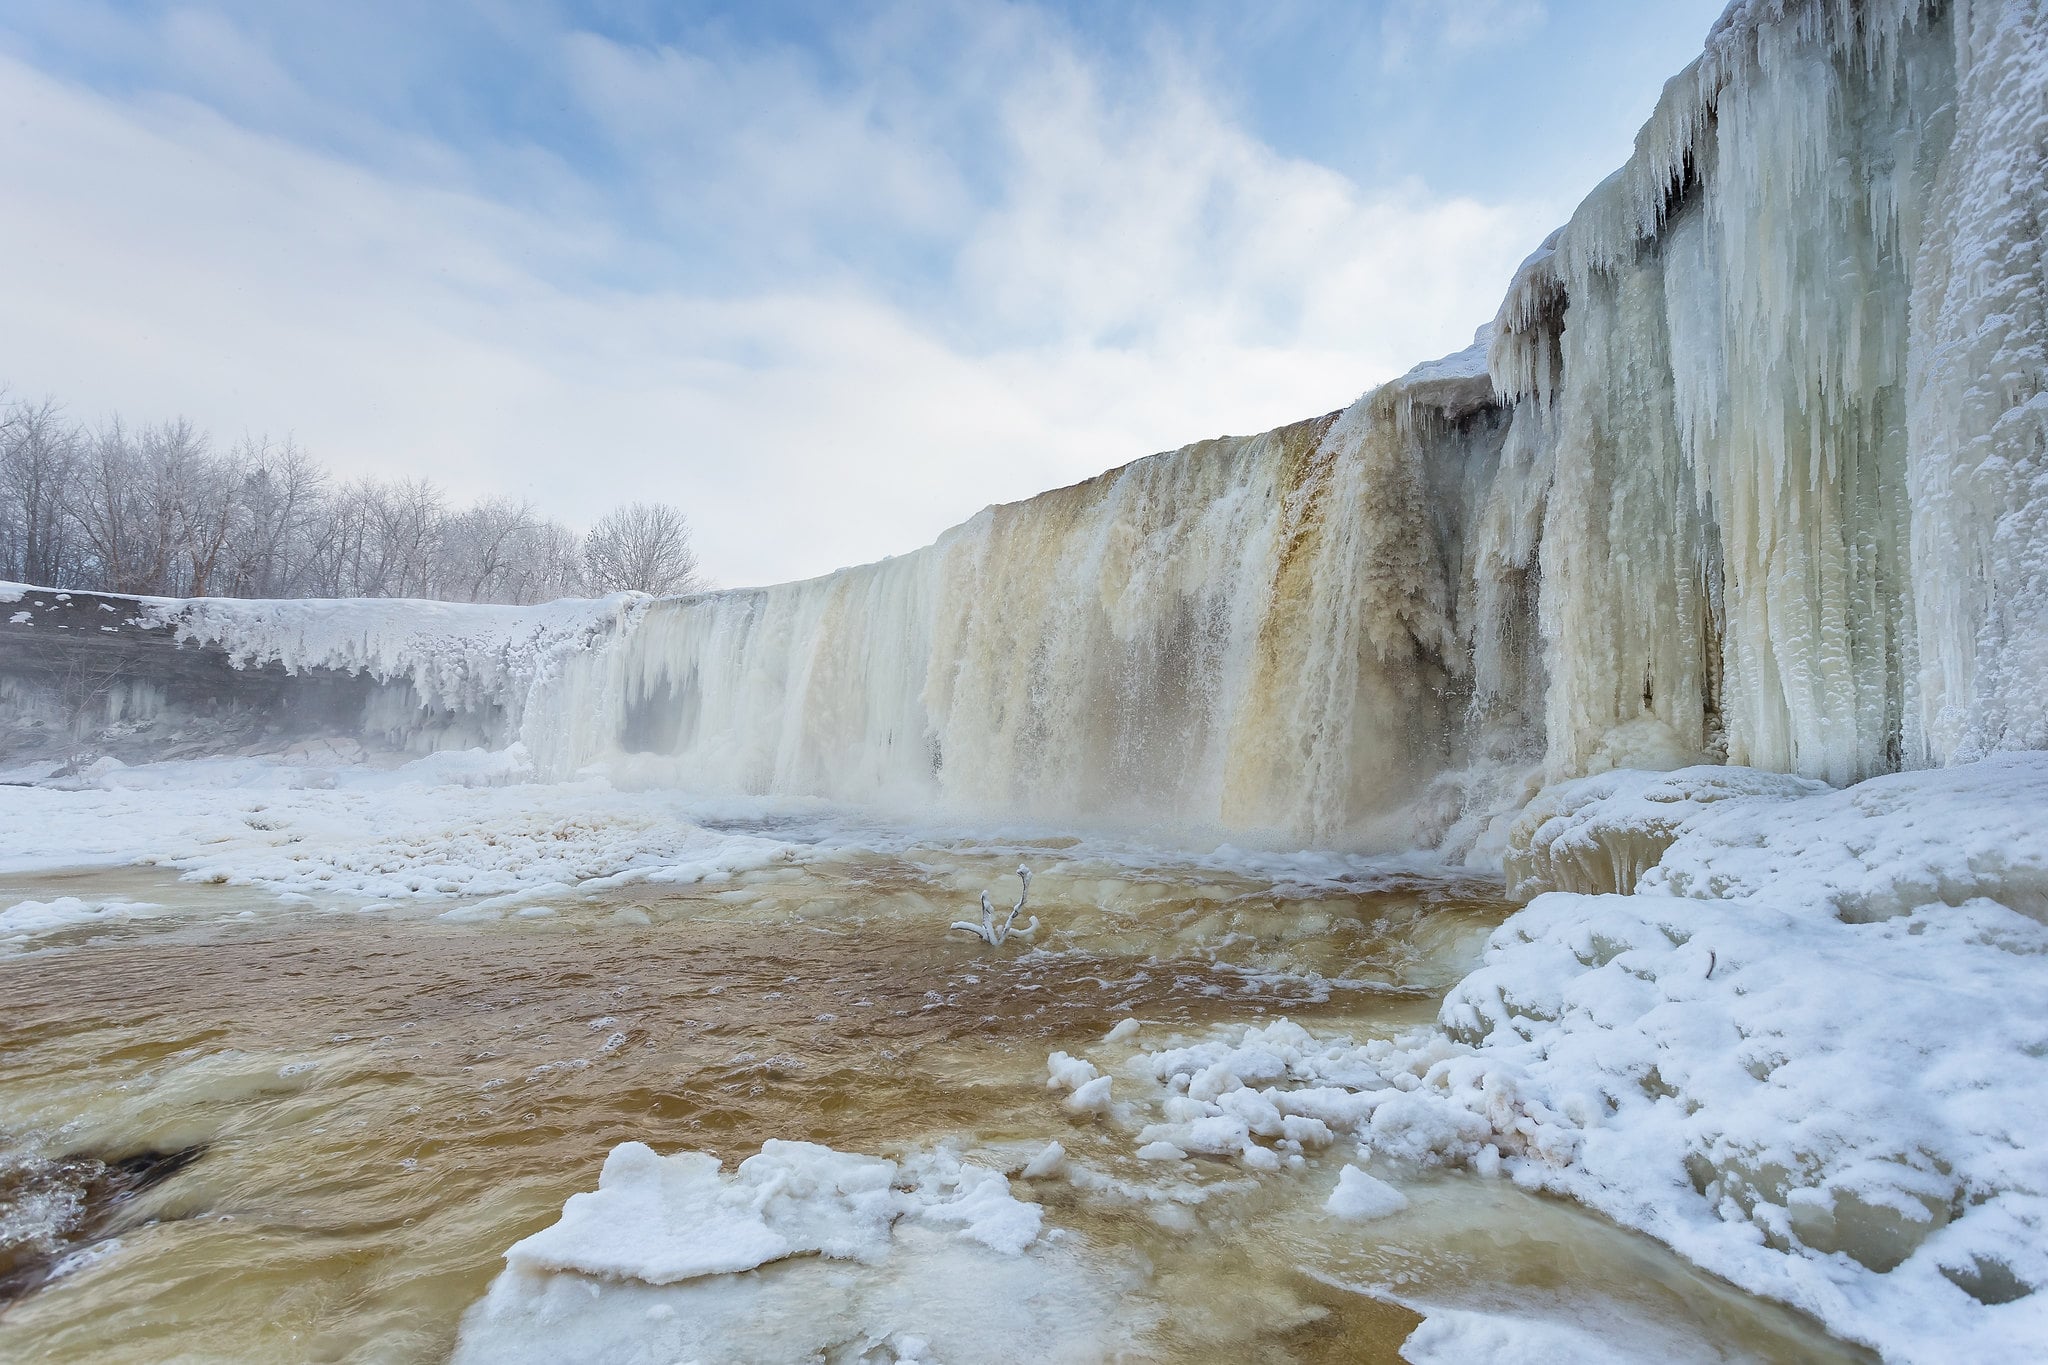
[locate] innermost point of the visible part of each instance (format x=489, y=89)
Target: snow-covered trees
x=161, y=510
x=38, y=453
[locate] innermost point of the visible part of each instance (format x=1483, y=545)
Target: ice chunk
x=1362, y=1196
x=661, y=1219
x=1047, y=1163
x=1068, y=1073
x=931, y=1257
x=1090, y=1097
x=976, y=1200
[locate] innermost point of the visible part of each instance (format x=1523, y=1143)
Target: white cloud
x=1102, y=268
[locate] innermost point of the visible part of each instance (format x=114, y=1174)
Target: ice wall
x=1783, y=375
x=1758, y=477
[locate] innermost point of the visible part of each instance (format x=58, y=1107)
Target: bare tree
x=211, y=516
x=479, y=549
x=157, y=510
x=404, y=539
x=550, y=564
x=38, y=453
x=641, y=547
x=101, y=507
x=281, y=495
x=178, y=503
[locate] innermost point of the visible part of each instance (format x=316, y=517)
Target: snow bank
x=1843, y=1116
x=1876, y=849
x=1602, y=833
x=1807, y=1053
x=802, y=1253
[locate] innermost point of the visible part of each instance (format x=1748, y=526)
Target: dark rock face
x=52, y=1209
x=86, y=674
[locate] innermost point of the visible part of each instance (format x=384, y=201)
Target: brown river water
x=310, y=1132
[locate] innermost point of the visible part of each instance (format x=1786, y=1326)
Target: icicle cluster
x=1783, y=377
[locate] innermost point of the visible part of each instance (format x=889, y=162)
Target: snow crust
x=662, y=1219
x=1603, y=833
x=29, y=919
x=1456, y=1336
x=802, y=1253
x=1872, y=851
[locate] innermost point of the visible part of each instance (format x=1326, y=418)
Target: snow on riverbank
x=478, y=823
x=1808, y=1053
x=451, y=824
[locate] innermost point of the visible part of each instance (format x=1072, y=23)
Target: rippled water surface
x=311, y=1133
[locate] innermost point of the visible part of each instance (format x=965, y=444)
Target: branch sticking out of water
x=993, y=933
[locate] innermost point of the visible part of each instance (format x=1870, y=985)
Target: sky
x=831, y=277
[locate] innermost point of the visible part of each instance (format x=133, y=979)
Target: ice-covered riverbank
x=1795, y=1033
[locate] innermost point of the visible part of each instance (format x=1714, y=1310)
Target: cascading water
x=1256, y=634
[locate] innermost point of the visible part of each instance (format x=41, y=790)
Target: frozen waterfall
x=1752, y=466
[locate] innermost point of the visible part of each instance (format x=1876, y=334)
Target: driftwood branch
x=994, y=934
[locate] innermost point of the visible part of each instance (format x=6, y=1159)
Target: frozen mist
x=1705, y=595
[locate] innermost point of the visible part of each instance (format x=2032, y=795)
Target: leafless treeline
x=161, y=510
